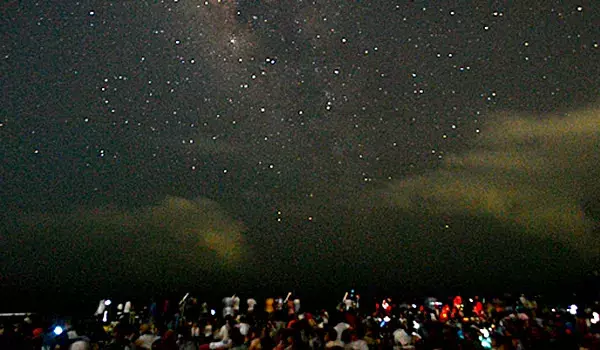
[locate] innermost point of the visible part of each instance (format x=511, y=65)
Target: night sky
x=246, y=146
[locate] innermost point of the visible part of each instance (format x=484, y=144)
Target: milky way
x=293, y=116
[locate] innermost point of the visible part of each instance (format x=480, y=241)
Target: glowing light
x=387, y=319
x=573, y=309
x=58, y=330
x=213, y=312
x=107, y=302
x=596, y=318
x=486, y=343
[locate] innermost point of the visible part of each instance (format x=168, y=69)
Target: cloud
x=539, y=174
x=193, y=224
x=176, y=240
x=204, y=222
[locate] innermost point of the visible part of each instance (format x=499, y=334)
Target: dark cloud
x=176, y=242
x=514, y=212
x=538, y=174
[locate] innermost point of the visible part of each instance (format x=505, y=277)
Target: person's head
x=145, y=329
x=208, y=330
x=515, y=341
x=118, y=332
x=331, y=335
x=266, y=342
x=495, y=340
x=169, y=337
x=294, y=337
x=236, y=336
x=354, y=335
x=38, y=333
x=360, y=331
x=470, y=334
x=347, y=336
x=229, y=321
x=254, y=333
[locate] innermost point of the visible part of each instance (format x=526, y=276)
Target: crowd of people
x=282, y=324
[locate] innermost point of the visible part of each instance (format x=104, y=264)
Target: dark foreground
x=461, y=323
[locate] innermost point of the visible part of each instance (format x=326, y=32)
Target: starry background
x=412, y=146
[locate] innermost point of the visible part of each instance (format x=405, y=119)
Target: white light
x=416, y=325
x=596, y=318
x=553, y=310
x=105, y=317
x=387, y=319
x=58, y=330
x=213, y=312
x=470, y=300
x=107, y=302
x=485, y=332
x=414, y=306
x=573, y=309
